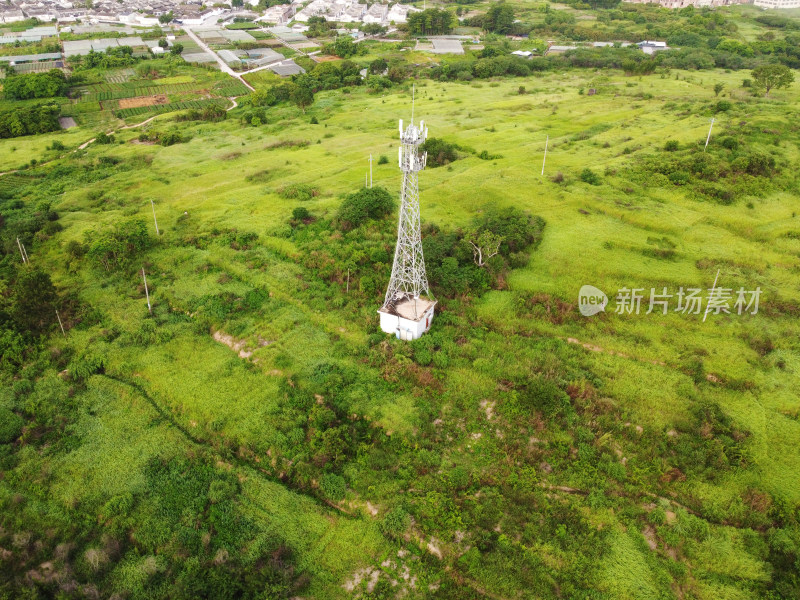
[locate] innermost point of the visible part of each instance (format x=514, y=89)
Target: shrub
x=439, y=152
x=333, y=487
x=730, y=143
x=383, y=160
x=590, y=177
x=114, y=248
x=557, y=178
x=722, y=106
x=671, y=145
x=300, y=214
x=395, y=523
x=314, y=121
x=368, y=203
x=679, y=177
x=10, y=426
x=104, y=138
x=299, y=191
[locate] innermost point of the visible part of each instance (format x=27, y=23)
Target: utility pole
x=22, y=251
x=709, y=136
x=149, y=308
x=546, y=141
x=154, y=216
x=61, y=324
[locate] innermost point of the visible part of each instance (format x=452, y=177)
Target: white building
x=651, y=47
x=777, y=3
x=401, y=321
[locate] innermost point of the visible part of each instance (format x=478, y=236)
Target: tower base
x=408, y=318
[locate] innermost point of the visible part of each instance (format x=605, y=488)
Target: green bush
x=671, y=145
x=439, y=152
x=10, y=426
x=116, y=247
x=299, y=191
x=395, y=523
x=300, y=214
x=333, y=487
x=367, y=203
x=590, y=177
x=722, y=106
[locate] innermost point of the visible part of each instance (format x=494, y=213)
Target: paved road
x=222, y=64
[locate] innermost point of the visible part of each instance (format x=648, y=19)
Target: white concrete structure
x=651, y=47
x=777, y=3
x=402, y=323
x=351, y=11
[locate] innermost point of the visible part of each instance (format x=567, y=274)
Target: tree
x=177, y=49
x=499, y=19
x=430, y=22
x=718, y=88
x=165, y=18
x=302, y=96
x=485, y=244
x=115, y=248
x=378, y=66
x=767, y=77
x=35, y=85
x=367, y=203
x=162, y=43
x=344, y=46
x=33, y=296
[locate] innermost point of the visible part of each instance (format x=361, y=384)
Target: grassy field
x=174, y=384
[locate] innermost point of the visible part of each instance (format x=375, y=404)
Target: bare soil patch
x=143, y=101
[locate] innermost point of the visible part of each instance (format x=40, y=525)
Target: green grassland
x=525, y=450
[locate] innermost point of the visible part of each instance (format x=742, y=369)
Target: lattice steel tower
x=409, y=282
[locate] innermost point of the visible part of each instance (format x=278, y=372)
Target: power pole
x=149, y=308
x=61, y=324
x=22, y=251
x=546, y=141
x=709, y=136
x=154, y=216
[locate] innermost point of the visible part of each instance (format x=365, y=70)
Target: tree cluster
x=35, y=85
x=29, y=120
x=432, y=21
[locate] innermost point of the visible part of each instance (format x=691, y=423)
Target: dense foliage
x=35, y=85
x=29, y=120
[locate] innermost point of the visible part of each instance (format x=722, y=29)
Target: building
x=559, y=49
x=685, y=3
x=651, y=47
x=777, y=3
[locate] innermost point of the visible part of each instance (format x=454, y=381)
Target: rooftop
x=409, y=308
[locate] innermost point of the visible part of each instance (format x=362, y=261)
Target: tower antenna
x=407, y=309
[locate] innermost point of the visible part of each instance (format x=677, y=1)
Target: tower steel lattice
x=408, y=279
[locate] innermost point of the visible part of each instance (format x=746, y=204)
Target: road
x=222, y=64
